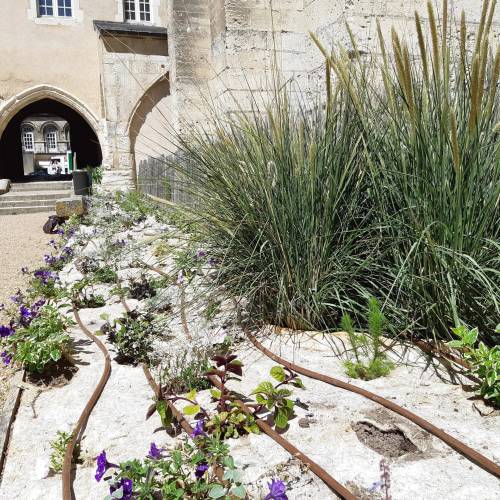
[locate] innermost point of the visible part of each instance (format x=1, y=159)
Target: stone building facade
x=127, y=73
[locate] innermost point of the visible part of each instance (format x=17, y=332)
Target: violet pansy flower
x=277, y=490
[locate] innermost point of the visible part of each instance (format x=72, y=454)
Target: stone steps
x=26, y=210
x=41, y=186
x=34, y=197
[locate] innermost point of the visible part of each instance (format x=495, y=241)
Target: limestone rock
x=76, y=205
x=4, y=186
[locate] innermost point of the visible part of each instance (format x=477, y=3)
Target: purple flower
x=200, y=254
x=200, y=470
x=68, y=251
x=52, y=243
x=277, y=490
x=154, y=452
x=26, y=315
x=72, y=232
x=59, y=231
x=199, y=429
x=6, y=357
x=212, y=261
x=6, y=331
x=102, y=466
x=17, y=298
x=180, y=278
x=127, y=487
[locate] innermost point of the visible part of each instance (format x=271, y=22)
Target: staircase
x=34, y=197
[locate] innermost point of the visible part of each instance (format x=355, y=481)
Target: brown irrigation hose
x=469, y=453
x=75, y=436
x=334, y=485
x=176, y=413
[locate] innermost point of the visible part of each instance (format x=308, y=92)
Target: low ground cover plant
x=187, y=471
x=40, y=342
x=484, y=361
x=369, y=362
x=58, y=447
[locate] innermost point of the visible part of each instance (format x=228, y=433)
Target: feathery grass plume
x=436, y=60
x=482, y=22
x=474, y=98
x=463, y=46
x=489, y=22
x=423, y=48
x=444, y=36
x=496, y=129
x=385, y=67
x=483, y=62
x=495, y=75
x=454, y=142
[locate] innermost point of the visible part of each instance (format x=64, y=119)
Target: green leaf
x=216, y=394
x=55, y=354
x=281, y=418
x=278, y=373
x=238, y=491
x=264, y=387
x=217, y=491
x=298, y=383
x=191, y=395
x=191, y=409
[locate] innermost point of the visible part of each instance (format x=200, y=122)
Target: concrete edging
x=8, y=415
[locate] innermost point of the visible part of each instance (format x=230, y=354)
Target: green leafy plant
x=132, y=336
x=213, y=308
x=484, y=361
x=96, y=174
x=186, y=471
x=275, y=399
x=83, y=296
x=43, y=343
x=58, y=447
x=370, y=361
x=104, y=274
x=185, y=370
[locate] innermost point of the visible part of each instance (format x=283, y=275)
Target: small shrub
x=140, y=288
x=184, y=371
x=133, y=337
x=104, y=275
x=43, y=342
x=484, y=361
x=370, y=362
x=58, y=447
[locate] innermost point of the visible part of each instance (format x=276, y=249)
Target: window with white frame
x=64, y=8
x=51, y=139
x=55, y=8
x=28, y=139
x=137, y=10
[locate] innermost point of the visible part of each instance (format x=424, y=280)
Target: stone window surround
x=75, y=19
x=155, y=13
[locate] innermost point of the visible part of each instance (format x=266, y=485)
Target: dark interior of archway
x=84, y=141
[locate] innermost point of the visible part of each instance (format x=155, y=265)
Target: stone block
x=76, y=205
x=4, y=186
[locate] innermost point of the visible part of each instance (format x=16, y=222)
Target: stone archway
x=148, y=124
x=46, y=99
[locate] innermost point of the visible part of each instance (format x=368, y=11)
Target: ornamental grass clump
x=282, y=200
x=430, y=125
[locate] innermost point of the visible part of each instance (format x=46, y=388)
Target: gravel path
x=22, y=244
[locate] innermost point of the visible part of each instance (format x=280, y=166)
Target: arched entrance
x=148, y=127
x=16, y=127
